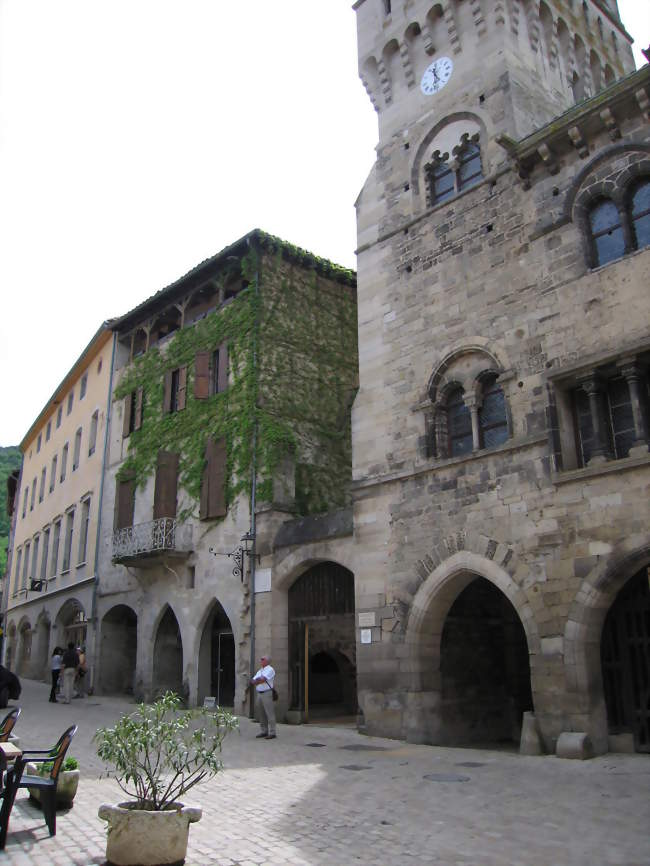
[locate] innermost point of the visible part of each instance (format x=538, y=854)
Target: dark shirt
x=70, y=659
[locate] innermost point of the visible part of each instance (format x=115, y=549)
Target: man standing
x=263, y=682
x=70, y=663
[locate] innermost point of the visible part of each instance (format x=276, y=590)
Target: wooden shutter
x=167, y=393
x=165, y=490
x=139, y=400
x=126, y=421
x=124, y=502
x=202, y=375
x=182, y=388
x=213, y=488
x=222, y=372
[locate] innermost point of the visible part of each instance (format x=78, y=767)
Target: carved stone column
x=473, y=404
x=632, y=374
x=592, y=386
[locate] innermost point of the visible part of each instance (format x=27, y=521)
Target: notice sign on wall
x=210, y=702
x=263, y=580
x=366, y=635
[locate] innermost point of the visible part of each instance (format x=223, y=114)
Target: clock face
x=436, y=75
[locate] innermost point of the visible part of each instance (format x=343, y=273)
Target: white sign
x=366, y=635
x=210, y=702
x=367, y=620
x=263, y=580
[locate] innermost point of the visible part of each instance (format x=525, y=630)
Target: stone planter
x=65, y=790
x=137, y=837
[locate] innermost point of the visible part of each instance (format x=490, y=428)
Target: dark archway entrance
x=322, y=631
x=217, y=659
x=625, y=661
x=118, y=651
x=168, y=656
x=484, y=668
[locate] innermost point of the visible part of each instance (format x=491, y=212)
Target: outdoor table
x=11, y=751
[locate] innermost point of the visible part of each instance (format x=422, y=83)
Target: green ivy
x=293, y=362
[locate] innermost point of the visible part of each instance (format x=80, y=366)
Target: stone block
x=574, y=745
x=531, y=741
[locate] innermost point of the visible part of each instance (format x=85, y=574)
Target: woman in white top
x=55, y=665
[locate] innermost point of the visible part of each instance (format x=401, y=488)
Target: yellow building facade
x=51, y=577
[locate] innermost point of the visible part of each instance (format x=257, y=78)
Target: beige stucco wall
x=39, y=611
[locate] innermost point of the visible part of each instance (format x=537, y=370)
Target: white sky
x=139, y=137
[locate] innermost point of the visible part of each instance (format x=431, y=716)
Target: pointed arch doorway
x=484, y=669
x=168, y=656
x=217, y=659
x=625, y=661
x=322, y=643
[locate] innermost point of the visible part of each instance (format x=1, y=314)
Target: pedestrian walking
x=80, y=679
x=56, y=663
x=70, y=663
x=263, y=682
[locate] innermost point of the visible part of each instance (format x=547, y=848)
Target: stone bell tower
x=477, y=281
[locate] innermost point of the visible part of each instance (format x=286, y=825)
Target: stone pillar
x=632, y=375
x=473, y=405
x=591, y=384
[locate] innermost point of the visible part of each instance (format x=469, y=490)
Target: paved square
x=326, y=796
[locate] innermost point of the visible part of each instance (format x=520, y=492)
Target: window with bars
x=618, y=228
x=459, y=424
x=492, y=416
x=614, y=431
x=445, y=178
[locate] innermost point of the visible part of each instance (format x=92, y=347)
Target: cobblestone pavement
x=326, y=796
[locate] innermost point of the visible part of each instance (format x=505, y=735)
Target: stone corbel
x=548, y=158
x=611, y=123
x=578, y=141
x=644, y=102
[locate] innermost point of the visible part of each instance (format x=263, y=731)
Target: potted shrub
x=67, y=784
x=158, y=754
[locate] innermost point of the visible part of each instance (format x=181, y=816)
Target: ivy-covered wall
x=309, y=375
x=292, y=343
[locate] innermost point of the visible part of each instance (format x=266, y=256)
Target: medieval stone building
x=230, y=427
x=500, y=433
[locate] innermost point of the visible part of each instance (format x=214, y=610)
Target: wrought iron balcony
x=146, y=544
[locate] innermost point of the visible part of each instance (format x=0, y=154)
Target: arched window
x=459, y=424
x=492, y=417
x=469, y=166
x=444, y=178
x=640, y=213
x=440, y=183
x=606, y=232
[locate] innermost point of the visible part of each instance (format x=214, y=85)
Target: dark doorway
x=485, y=672
x=625, y=661
x=168, y=656
x=118, y=651
x=217, y=659
x=322, y=631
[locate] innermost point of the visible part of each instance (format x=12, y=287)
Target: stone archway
x=322, y=641
x=583, y=636
x=625, y=662
x=118, y=650
x=217, y=658
x=444, y=702
x=168, y=656
x=10, y=652
x=24, y=653
x=41, y=660
x=71, y=624
x=484, y=669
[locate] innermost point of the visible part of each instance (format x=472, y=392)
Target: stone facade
x=173, y=615
x=494, y=291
